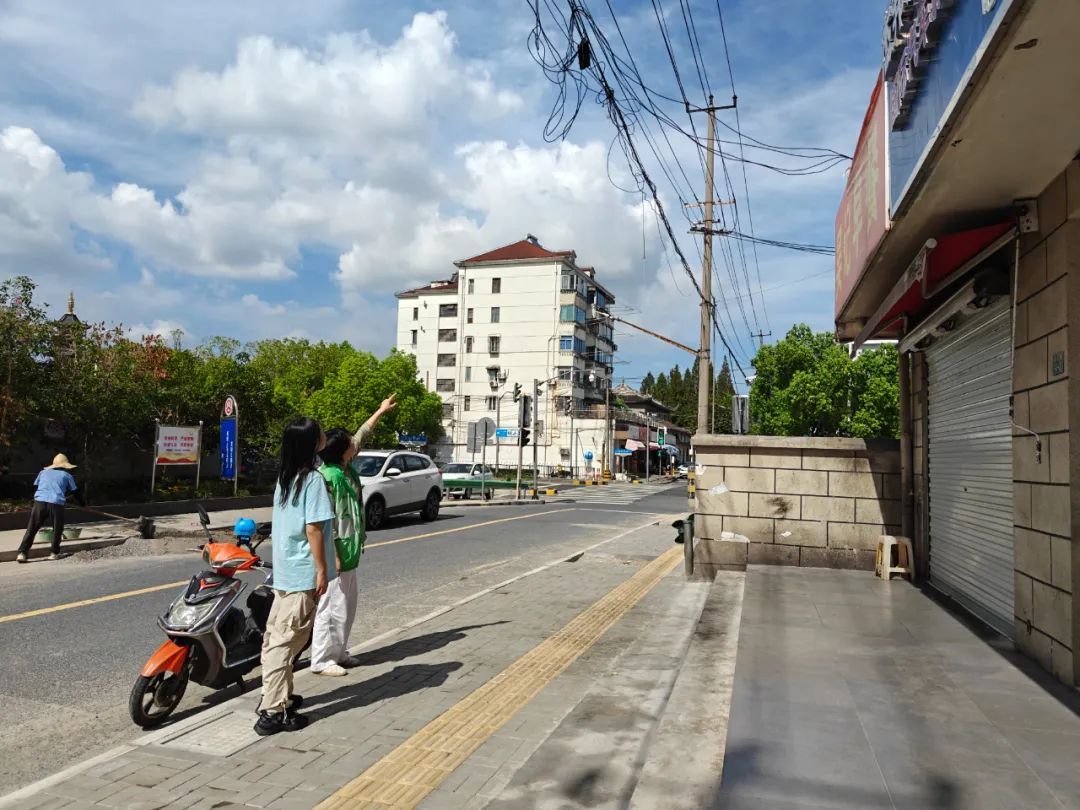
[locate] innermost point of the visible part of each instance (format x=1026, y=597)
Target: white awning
x=634, y=444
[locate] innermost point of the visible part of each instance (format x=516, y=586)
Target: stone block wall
x=795, y=501
x=1042, y=400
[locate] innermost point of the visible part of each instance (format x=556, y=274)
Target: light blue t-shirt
x=294, y=567
x=53, y=486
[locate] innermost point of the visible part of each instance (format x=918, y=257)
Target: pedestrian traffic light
x=523, y=436
x=517, y=391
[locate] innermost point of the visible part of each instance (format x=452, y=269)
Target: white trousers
x=333, y=622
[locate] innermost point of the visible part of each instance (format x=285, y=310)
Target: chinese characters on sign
x=863, y=218
x=912, y=33
x=177, y=445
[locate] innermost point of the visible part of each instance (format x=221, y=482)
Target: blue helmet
x=244, y=528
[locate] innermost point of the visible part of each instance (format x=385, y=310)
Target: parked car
x=396, y=482
x=458, y=471
x=682, y=471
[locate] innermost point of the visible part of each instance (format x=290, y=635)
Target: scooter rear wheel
x=155, y=697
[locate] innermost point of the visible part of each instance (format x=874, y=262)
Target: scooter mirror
x=264, y=529
x=204, y=518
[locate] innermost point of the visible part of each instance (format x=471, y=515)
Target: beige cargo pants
x=288, y=629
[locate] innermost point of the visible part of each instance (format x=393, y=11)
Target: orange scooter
x=210, y=640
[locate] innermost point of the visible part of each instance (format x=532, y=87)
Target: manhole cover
x=221, y=737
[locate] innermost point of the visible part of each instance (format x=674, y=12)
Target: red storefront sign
x=863, y=217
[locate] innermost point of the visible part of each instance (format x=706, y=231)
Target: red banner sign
x=863, y=218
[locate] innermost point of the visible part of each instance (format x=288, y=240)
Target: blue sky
x=262, y=169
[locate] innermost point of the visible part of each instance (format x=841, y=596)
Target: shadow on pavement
x=406, y=648
x=397, y=682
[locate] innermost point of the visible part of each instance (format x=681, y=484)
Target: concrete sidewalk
x=851, y=692
x=549, y=690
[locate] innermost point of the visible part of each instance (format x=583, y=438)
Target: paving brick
x=802, y=482
x=776, y=458
x=1030, y=365
x=1046, y=310
x=872, y=510
x=800, y=533
x=774, y=506
x=759, y=530
x=854, y=485
x=1053, y=611
x=1028, y=464
x=1032, y=276
x=747, y=479
x=1031, y=554
x=1022, y=604
x=855, y=535
x=1050, y=511
x=769, y=554
x=835, y=460
x=841, y=510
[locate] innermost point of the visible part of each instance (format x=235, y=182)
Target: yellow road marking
x=96, y=600
x=405, y=776
x=153, y=588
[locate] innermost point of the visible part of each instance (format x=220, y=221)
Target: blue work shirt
x=294, y=567
x=53, y=486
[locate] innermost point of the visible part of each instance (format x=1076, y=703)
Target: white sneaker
x=20, y=558
x=332, y=670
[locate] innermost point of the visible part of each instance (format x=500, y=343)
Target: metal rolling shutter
x=970, y=459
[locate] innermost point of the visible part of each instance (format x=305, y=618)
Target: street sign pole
x=153, y=460
x=536, y=438
x=483, y=461
x=198, y=458
x=521, y=447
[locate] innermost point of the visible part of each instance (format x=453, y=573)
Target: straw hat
x=61, y=463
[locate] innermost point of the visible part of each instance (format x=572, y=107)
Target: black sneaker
x=269, y=723
x=272, y=722
x=295, y=702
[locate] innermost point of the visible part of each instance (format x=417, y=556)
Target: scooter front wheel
x=154, y=697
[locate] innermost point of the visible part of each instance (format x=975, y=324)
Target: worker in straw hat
x=54, y=484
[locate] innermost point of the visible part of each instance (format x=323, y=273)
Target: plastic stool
x=905, y=556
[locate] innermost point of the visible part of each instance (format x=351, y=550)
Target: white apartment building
x=514, y=315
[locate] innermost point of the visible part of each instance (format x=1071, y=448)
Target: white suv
x=397, y=481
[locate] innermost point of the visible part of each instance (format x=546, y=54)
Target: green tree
x=648, y=383
x=353, y=392
x=24, y=340
x=807, y=385
x=102, y=389
x=723, y=391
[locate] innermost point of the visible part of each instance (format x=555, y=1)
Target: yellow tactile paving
x=405, y=776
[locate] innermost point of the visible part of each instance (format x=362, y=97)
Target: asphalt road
x=65, y=675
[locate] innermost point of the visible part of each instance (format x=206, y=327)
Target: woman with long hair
x=337, y=608
x=303, y=568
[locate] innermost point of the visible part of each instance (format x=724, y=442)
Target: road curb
x=40, y=551
x=478, y=504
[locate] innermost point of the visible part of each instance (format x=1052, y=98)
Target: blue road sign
x=507, y=433
x=622, y=451
x=228, y=449
x=588, y=455
x=409, y=438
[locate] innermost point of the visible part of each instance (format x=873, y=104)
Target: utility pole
x=761, y=337
x=536, y=438
x=707, y=230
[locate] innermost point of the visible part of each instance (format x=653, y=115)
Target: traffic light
x=523, y=436
x=525, y=411
x=517, y=391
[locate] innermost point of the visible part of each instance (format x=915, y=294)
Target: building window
x=447, y=335
x=493, y=346
x=447, y=310
x=468, y=345
x=414, y=338
x=469, y=315
x=472, y=286
x=416, y=313
x=564, y=372
x=467, y=403
x=447, y=360
x=492, y=403
x=444, y=385
x=568, y=343
x=496, y=285
x=569, y=312
x=494, y=314
x=569, y=283
x=448, y=410
x=493, y=374
x=468, y=373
